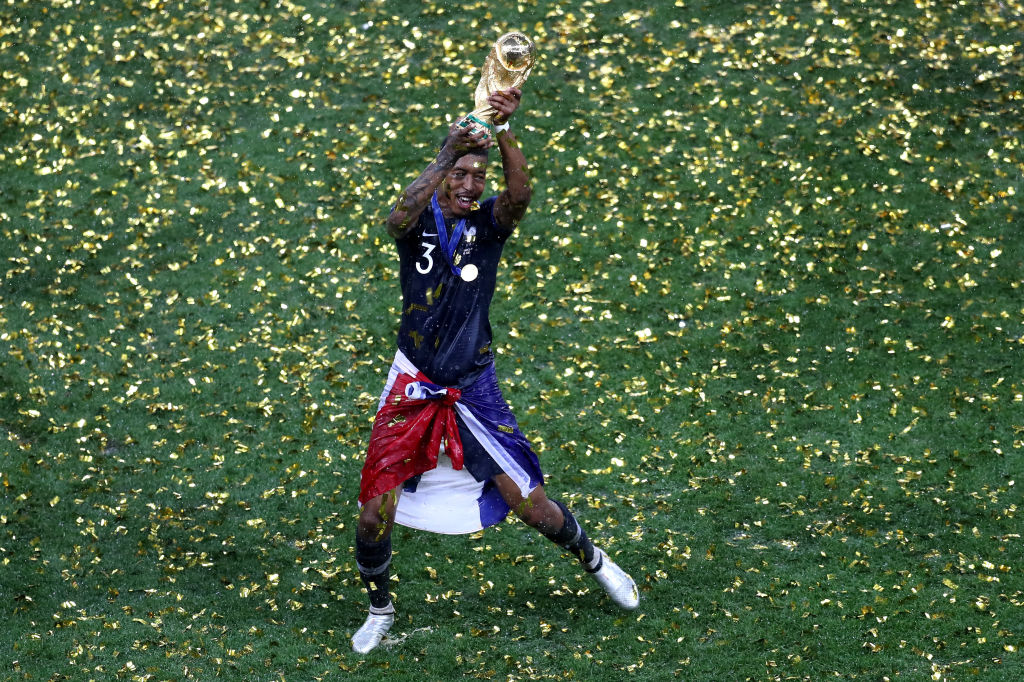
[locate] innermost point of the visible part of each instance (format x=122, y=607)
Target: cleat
x=617, y=583
x=376, y=626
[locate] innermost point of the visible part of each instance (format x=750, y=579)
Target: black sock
x=374, y=562
x=573, y=538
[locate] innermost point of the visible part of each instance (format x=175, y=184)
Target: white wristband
x=501, y=128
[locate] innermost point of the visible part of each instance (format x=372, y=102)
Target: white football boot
x=376, y=626
x=617, y=583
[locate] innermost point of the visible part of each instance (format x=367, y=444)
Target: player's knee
x=539, y=516
x=529, y=515
x=375, y=520
x=371, y=527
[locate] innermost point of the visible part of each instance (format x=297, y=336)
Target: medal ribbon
x=447, y=247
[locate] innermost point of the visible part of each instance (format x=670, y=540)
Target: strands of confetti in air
x=763, y=322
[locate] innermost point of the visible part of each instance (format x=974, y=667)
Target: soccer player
x=446, y=453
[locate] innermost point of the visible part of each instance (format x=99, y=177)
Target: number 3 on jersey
x=426, y=262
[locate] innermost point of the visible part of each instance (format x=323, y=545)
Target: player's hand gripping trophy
x=507, y=66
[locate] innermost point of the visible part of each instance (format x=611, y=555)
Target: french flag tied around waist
x=407, y=434
x=414, y=417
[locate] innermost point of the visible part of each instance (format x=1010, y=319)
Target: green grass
x=763, y=323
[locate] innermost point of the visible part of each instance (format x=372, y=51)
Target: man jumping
x=444, y=440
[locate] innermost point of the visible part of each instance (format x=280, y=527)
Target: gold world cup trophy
x=507, y=66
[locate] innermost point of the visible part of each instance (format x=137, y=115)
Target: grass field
x=764, y=323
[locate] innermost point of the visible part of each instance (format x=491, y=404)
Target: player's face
x=464, y=184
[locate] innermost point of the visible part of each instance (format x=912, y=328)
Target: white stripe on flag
x=507, y=463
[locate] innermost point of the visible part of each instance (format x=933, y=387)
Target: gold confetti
x=762, y=323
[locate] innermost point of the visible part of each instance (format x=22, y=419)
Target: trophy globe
x=507, y=66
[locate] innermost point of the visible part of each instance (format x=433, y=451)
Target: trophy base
x=475, y=119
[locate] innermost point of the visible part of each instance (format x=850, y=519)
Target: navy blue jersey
x=446, y=329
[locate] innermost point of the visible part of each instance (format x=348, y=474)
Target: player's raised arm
x=415, y=197
x=513, y=201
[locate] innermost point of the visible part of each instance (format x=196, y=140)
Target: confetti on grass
x=763, y=322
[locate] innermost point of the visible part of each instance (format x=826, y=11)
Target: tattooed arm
x=416, y=196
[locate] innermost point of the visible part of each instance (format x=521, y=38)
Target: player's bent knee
x=376, y=518
x=529, y=516
x=539, y=516
x=373, y=531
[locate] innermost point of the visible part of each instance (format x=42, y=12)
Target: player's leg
x=373, y=557
x=554, y=520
